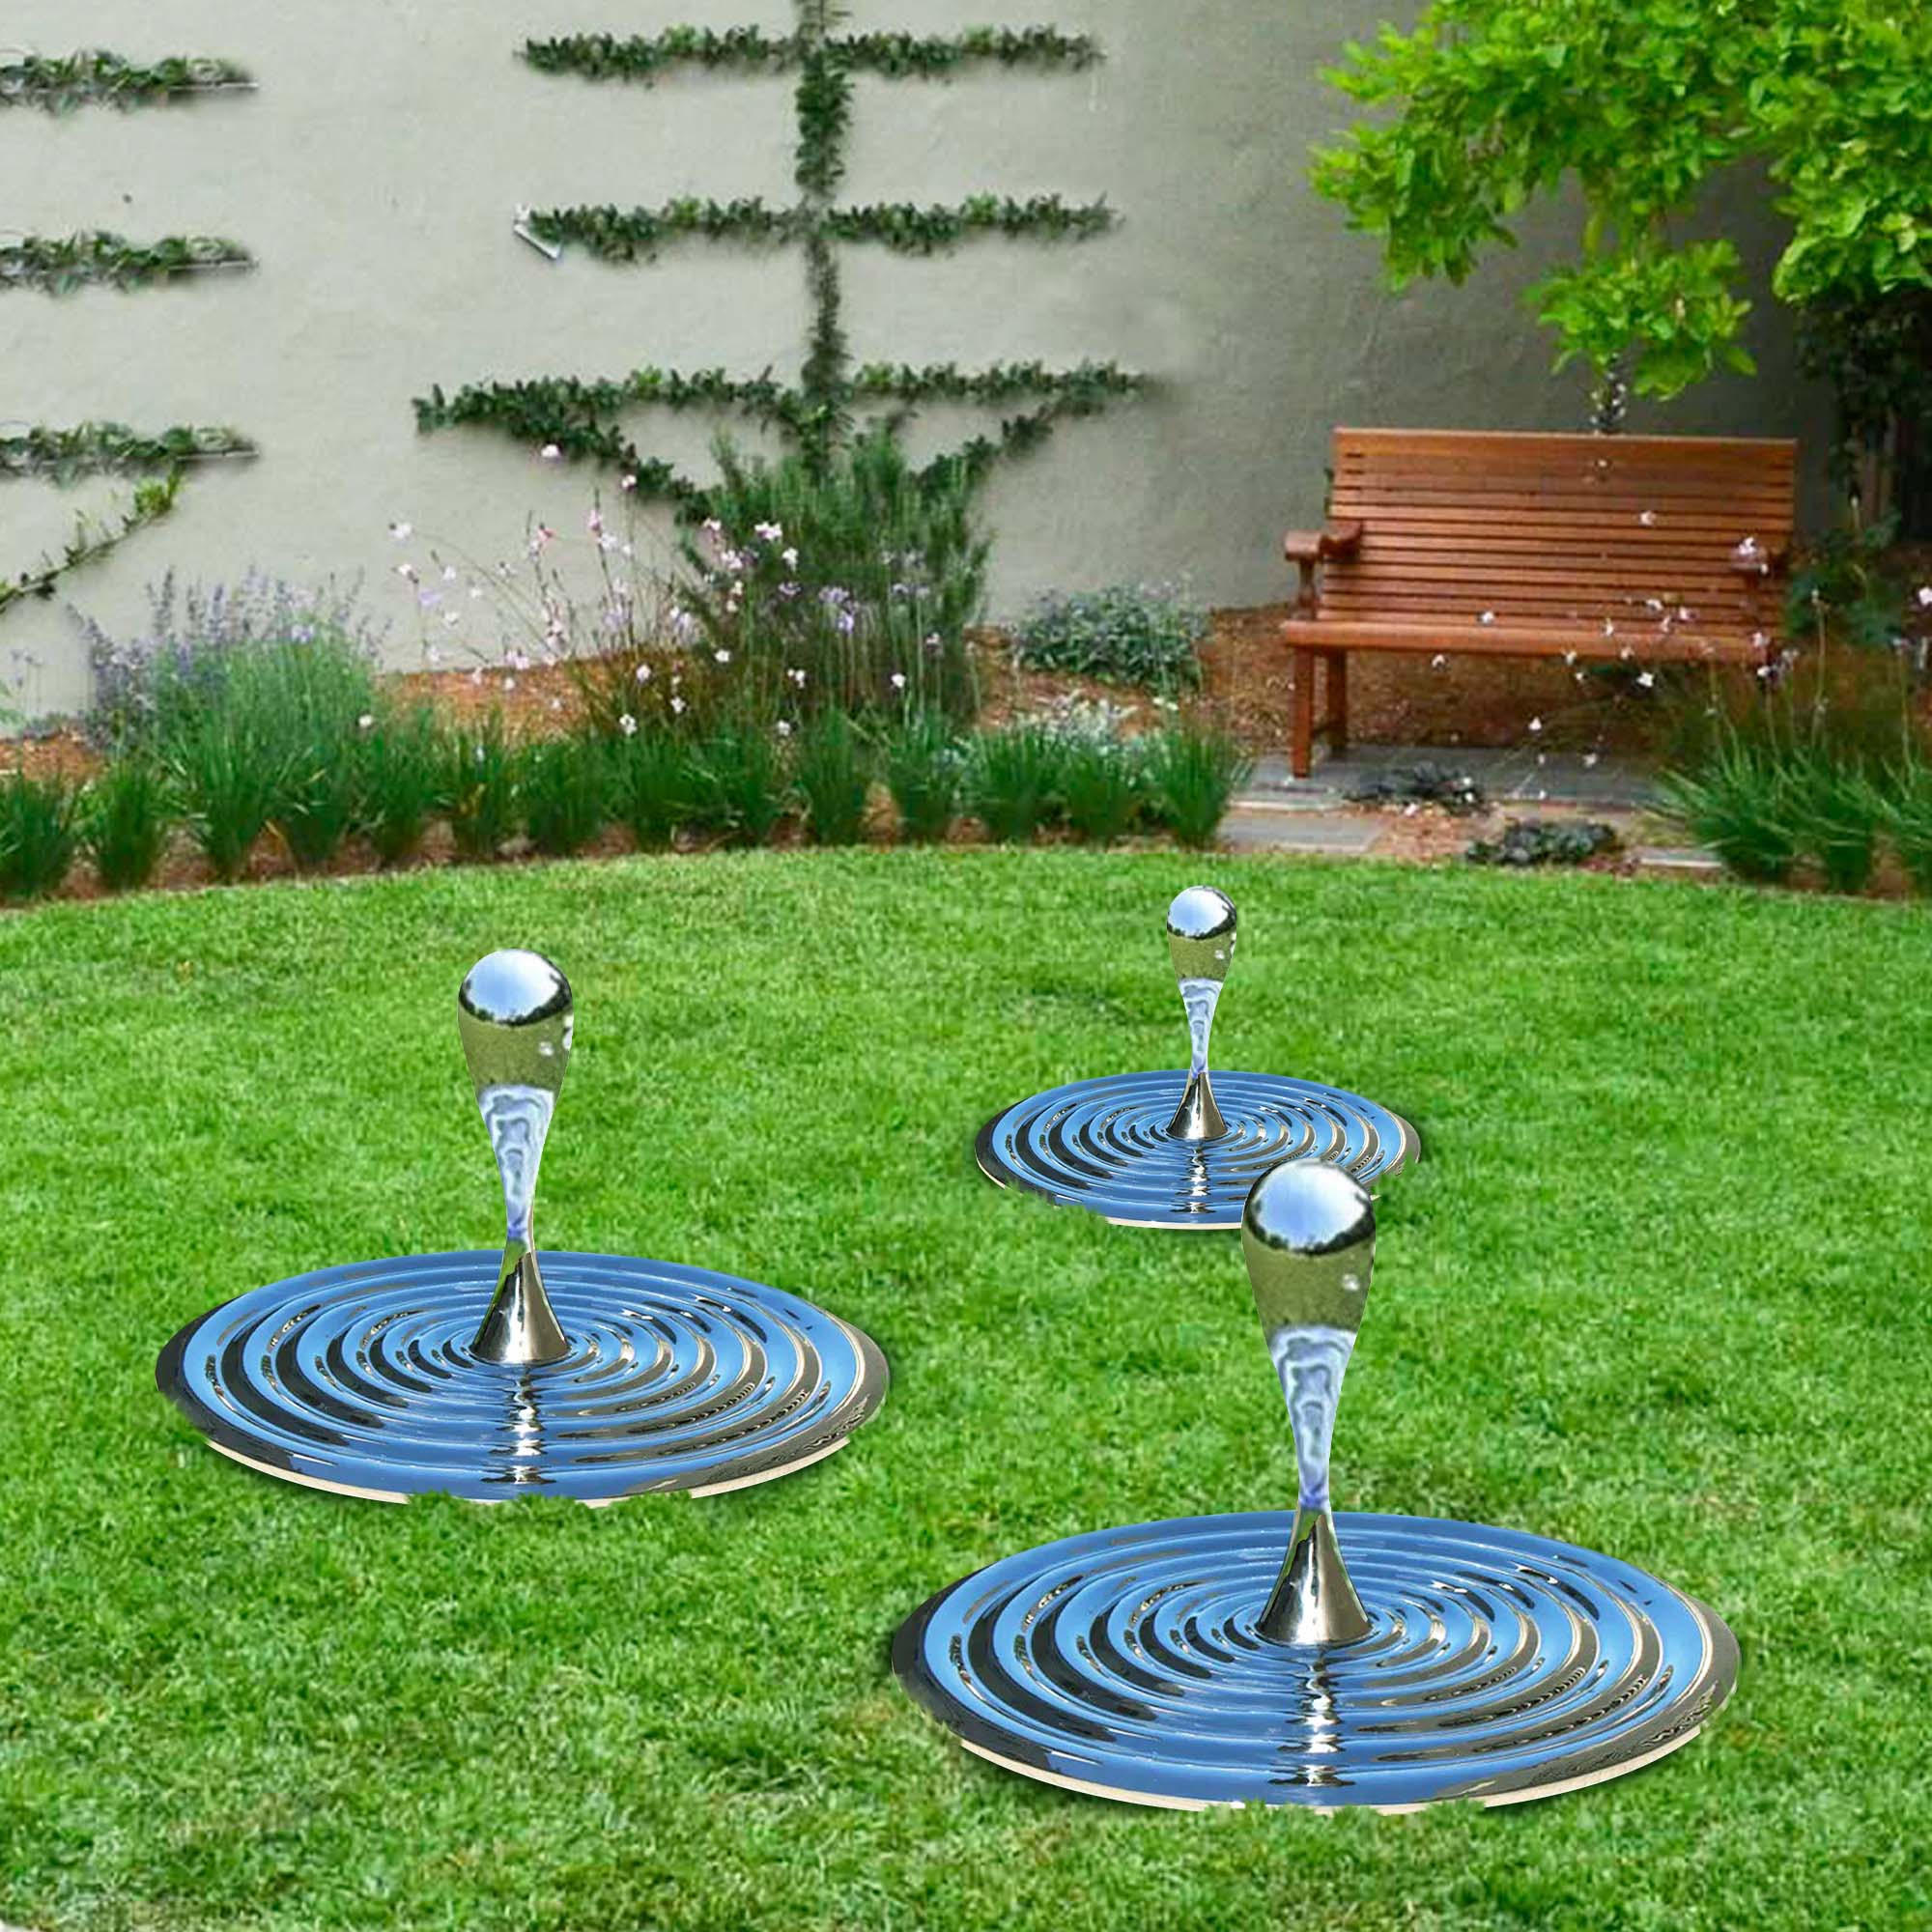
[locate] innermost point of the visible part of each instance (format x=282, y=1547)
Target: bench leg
x=1301, y=716
x=1338, y=701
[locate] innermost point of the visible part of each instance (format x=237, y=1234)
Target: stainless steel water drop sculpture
x=487, y=1373
x=1309, y=1658
x=1182, y=1150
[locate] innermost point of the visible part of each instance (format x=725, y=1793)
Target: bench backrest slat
x=1555, y=530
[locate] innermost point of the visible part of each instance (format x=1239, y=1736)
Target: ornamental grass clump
x=125, y=818
x=479, y=787
x=565, y=792
x=651, y=785
x=228, y=781
x=925, y=768
x=740, y=785
x=316, y=807
x=832, y=769
x=847, y=585
x=1734, y=801
x=1140, y=634
x=1833, y=812
x=1193, y=772
x=1102, y=788
x=39, y=833
x=1012, y=780
x=400, y=768
x=1908, y=821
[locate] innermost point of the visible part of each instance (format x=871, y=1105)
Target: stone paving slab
x=1509, y=776
x=1264, y=831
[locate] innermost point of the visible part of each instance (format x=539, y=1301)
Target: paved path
x=1279, y=813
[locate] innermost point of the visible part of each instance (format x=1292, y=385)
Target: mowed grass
x=1659, y=1287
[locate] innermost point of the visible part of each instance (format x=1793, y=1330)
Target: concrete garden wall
x=375, y=174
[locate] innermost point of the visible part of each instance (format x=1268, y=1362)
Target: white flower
x=1610, y=628
x=451, y=618
x=899, y=680
x=406, y=571
x=797, y=677
x=769, y=532
x=1748, y=549
x=627, y=726
x=402, y=533
x=790, y=555
x=629, y=483
x=722, y=657
x=1646, y=517
x=1488, y=617
x=677, y=704
x=368, y=721
x=1646, y=678
x=1536, y=723
x=556, y=704
x=643, y=674
x=1590, y=758
x=1569, y=657
x=551, y=453
x=509, y=684
x=784, y=730
x=1925, y=596
x=1437, y=661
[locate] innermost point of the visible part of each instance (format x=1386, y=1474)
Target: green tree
x=1487, y=105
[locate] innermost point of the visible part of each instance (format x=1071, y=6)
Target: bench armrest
x=1306, y=549
x=1312, y=546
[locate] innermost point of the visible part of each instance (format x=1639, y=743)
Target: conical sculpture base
x=1307, y=1658
x=489, y=1374
x=1182, y=1150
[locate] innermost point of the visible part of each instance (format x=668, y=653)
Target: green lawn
x=1659, y=1287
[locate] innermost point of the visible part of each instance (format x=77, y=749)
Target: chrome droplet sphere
x=1201, y=933
x=515, y=1016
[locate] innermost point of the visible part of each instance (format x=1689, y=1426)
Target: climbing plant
x=582, y=419
x=59, y=264
x=94, y=77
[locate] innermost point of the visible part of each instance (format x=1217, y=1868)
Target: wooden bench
x=1646, y=548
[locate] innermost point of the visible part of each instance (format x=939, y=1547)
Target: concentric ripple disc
x=1103, y=1145
x=360, y=1379
x=1499, y=1666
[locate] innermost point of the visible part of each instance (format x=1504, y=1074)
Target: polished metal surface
x=366, y=1378
x=1308, y=1236
x=1182, y=1150
x=1386, y=1661
x=480, y=1375
x=515, y=1016
x=1497, y=1666
x=1201, y=943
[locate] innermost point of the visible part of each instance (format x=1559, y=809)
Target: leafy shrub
x=1733, y=801
x=923, y=767
x=479, y=787
x=228, y=781
x=39, y=833
x=1193, y=773
x=1847, y=579
x=1013, y=778
x=1128, y=634
x=125, y=818
x=565, y=785
x=651, y=786
x=832, y=767
x=1101, y=788
x=400, y=776
x=740, y=785
x=1544, y=841
x=849, y=587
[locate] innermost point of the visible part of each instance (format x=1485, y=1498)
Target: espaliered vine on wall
x=94, y=77
x=57, y=265
x=581, y=418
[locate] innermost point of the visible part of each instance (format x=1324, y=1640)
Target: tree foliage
x=1489, y=105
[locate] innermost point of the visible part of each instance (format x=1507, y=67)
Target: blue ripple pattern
x=1103, y=1145
x=1499, y=1666
x=360, y=1378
